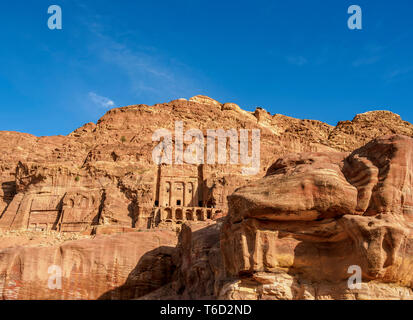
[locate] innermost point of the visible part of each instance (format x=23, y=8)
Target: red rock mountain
x=119, y=226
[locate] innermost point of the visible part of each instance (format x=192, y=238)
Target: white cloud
x=100, y=101
x=298, y=61
x=398, y=72
x=150, y=73
x=147, y=73
x=366, y=61
x=371, y=54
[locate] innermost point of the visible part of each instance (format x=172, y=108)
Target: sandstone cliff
x=324, y=198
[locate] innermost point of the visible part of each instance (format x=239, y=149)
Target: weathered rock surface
x=103, y=174
x=123, y=266
x=324, y=198
x=296, y=232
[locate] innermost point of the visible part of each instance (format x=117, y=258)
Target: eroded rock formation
x=324, y=198
x=314, y=215
x=106, y=267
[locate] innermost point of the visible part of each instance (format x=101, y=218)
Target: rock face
x=104, y=174
x=296, y=232
x=323, y=198
x=124, y=266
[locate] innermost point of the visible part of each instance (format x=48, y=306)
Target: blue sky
x=291, y=57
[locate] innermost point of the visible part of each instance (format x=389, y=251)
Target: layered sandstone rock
x=104, y=174
x=316, y=200
x=296, y=232
x=123, y=266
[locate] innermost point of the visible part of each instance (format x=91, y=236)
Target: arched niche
x=199, y=215
x=189, y=215
x=179, y=215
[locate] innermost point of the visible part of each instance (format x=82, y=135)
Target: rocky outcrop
x=104, y=174
x=123, y=266
x=296, y=232
x=324, y=198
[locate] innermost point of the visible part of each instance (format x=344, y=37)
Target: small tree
x=77, y=178
x=123, y=139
